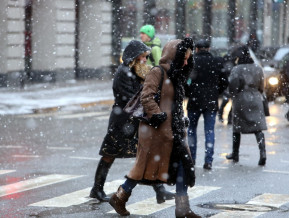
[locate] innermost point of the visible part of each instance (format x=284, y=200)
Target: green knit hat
x=149, y=30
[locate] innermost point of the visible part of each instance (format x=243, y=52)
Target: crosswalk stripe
x=276, y=171
x=6, y=171
x=149, y=206
x=34, y=183
x=77, y=197
x=66, y=200
x=84, y=158
x=272, y=200
x=11, y=146
x=243, y=214
x=79, y=115
x=21, y=155
x=59, y=148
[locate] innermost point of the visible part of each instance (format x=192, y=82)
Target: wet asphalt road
x=37, y=147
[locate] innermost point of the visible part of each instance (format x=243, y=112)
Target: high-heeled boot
x=261, y=143
x=118, y=201
x=99, y=180
x=236, y=145
x=162, y=194
x=183, y=208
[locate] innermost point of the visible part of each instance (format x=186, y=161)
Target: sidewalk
x=50, y=97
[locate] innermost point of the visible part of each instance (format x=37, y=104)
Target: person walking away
x=246, y=85
x=285, y=82
x=228, y=65
x=162, y=145
x=121, y=138
x=203, y=93
x=147, y=35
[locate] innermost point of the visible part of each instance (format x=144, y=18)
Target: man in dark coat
x=207, y=83
x=121, y=138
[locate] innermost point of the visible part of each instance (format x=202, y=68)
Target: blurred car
x=274, y=71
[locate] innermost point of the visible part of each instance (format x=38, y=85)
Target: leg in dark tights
x=100, y=178
x=261, y=143
x=236, y=145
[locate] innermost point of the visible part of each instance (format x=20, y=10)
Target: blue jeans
x=209, y=123
x=181, y=187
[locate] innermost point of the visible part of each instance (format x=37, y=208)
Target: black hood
x=132, y=50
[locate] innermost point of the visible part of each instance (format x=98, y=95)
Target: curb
x=82, y=105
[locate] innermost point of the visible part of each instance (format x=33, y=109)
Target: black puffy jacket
x=207, y=83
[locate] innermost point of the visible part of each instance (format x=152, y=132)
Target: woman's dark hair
x=242, y=52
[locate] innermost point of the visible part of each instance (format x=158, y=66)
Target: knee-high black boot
x=261, y=142
x=236, y=145
x=99, y=180
x=161, y=194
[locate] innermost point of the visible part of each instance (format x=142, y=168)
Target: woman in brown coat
x=162, y=151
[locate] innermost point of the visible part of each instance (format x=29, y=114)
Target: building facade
x=45, y=40
x=52, y=40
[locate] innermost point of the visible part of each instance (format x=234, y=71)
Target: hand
x=157, y=119
x=186, y=121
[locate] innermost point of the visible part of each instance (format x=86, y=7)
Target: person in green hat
x=147, y=35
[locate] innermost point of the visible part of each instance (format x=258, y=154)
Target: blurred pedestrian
x=203, y=93
x=147, y=35
x=121, y=138
x=246, y=84
x=162, y=145
x=227, y=67
x=253, y=43
x=285, y=82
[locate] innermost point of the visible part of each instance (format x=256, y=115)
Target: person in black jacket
x=207, y=82
x=121, y=138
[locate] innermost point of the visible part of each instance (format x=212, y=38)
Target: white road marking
x=59, y=148
x=272, y=200
x=254, y=206
x=243, y=214
x=80, y=115
x=84, y=158
x=66, y=200
x=6, y=171
x=34, y=183
x=149, y=206
x=77, y=197
x=23, y=155
x=11, y=146
x=276, y=171
x=284, y=161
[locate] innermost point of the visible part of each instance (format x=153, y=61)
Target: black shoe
x=233, y=157
x=220, y=118
x=207, y=166
x=161, y=194
x=194, y=162
x=99, y=194
x=287, y=116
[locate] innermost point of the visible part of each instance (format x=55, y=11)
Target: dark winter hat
x=242, y=52
x=203, y=43
x=133, y=50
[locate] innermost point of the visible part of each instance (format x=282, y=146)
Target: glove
x=157, y=119
x=186, y=121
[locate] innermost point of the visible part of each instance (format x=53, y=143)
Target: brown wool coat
x=155, y=145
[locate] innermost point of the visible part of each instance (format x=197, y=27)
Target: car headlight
x=273, y=81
